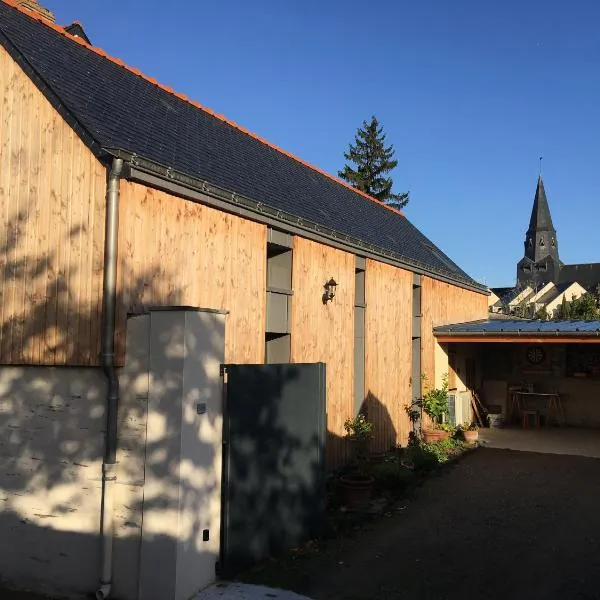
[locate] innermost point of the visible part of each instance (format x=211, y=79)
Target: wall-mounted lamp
x=329, y=290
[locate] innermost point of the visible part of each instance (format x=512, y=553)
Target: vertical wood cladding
x=325, y=332
x=52, y=198
x=388, y=353
x=175, y=252
x=442, y=304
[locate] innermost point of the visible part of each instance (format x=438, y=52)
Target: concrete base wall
x=52, y=422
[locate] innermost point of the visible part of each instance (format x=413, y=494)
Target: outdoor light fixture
x=329, y=290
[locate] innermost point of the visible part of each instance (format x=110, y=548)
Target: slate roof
x=501, y=292
x=586, y=275
x=554, y=292
x=520, y=327
x=540, y=213
x=114, y=107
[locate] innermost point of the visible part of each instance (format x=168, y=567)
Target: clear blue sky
x=470, y=93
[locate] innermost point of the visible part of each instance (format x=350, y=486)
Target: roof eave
x=525, y=338
x=153, y=174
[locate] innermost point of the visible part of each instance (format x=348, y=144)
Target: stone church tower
x=540, y=263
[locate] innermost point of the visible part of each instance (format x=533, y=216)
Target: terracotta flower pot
x=357, y=490
x=435, y=435
x=470, y=435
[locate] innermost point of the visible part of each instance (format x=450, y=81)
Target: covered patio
x=532, y=376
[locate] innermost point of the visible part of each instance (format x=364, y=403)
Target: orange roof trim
x=183, y=97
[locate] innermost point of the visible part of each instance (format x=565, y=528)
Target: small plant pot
x=356, y=490
x=435, y=435
x=470, y=435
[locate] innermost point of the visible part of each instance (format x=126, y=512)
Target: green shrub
x=392, y=476
x=426, y=457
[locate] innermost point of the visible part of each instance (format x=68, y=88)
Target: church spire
x=540, y=213
x=541, y=262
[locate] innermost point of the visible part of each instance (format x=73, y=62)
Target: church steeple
x=540, y=213
x=541, y=262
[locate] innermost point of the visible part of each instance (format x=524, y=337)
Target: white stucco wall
x=52, y=422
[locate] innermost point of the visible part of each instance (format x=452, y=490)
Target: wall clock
x=535, y=355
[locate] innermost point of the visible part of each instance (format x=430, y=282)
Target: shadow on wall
x=53, y=424
x=274, y=487
x=385, y=434
x=53, y=421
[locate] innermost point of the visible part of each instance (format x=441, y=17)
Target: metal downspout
x=109, y=301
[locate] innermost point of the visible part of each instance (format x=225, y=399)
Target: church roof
x=540, y=213
x=587, y=274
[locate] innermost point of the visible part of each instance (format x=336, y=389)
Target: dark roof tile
x=121, y=109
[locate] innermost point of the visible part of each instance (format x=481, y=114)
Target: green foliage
x=564, y=312
x=373, y=160
x=435, y=400
x=360, y=432
x=426, y=457
x=392, y=476
x=466, y=426
x=413, y=410
x=359, y=428
x=542, y=314
x=585, y=307
x=445, y=427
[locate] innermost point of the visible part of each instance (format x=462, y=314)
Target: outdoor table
x=553, y=406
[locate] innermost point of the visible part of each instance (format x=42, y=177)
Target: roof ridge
x=193, y=103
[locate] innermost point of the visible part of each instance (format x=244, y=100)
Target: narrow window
x=359, y=332
x=279, y=296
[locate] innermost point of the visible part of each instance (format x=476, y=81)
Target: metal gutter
x=109, y=301
x=513, y=334
x=158, y=176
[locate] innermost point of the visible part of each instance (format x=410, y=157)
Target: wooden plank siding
x=174, y=252
x=325, y=333
x=388, y=352
x=443, y=304
x=52, y=198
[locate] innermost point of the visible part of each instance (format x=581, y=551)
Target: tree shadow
x=385, y=434
x=54, y=424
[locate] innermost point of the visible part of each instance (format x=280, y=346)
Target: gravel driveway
x=498, y=524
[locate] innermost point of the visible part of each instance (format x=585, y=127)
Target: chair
x=527, y=414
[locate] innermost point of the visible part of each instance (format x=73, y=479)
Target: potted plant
x=358, y=484
x=435, y=406
x=469, y=432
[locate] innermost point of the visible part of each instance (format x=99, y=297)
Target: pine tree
x=564, y=312
x=373, y=160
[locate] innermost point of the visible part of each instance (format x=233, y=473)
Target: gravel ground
x=499, y=524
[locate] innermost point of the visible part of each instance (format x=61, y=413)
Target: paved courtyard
x=552, y=440
x=500, y=524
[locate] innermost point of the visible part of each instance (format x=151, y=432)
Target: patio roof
x=520, y=331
